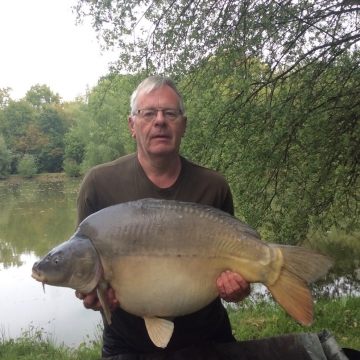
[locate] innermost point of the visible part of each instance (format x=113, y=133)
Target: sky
x=40, y=44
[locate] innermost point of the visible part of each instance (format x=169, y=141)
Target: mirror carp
x=176, y=251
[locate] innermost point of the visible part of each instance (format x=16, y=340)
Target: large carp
x=177, y=250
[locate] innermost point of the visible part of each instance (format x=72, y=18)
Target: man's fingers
x=112, y=301
x=232, y=287
x=91, y=300
x=79, y=295
x=231, y=282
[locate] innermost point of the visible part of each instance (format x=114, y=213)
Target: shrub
x=71, y=167
x=5, y=159
x=27, y=166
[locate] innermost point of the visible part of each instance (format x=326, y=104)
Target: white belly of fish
x=164, y=285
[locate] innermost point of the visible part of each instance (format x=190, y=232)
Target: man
x=157, y=170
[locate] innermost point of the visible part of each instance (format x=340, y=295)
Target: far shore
x=47, y=176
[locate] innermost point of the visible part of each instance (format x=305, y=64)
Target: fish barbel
x=177, y=251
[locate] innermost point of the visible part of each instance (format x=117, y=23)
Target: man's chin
x=163, y=149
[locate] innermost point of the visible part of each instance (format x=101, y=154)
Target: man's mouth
x=160, y=136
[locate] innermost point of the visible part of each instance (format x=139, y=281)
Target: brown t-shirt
x=124, y=180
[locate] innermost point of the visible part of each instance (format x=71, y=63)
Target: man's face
x=159, y=136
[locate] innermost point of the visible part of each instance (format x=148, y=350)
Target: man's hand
x=232, y=286
x=91, y=300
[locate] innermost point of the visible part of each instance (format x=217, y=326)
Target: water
x=34, y=217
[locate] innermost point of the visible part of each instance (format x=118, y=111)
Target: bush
x=71, y=167
x=5, y=159
x=27, y=166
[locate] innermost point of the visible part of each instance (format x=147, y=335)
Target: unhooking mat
x=306, y=346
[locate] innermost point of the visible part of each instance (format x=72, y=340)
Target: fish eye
x=56, y=261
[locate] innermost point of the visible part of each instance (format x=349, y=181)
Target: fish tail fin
x=300, y=267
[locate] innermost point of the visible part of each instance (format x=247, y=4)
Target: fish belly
x=165, y=285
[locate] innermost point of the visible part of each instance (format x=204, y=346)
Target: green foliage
x=74, y=146
x=290, y=151
x=27, y=166
x=4, y=97
x=35, y=126
x=5, y=158
x=71, y=168
x=101, y=129
x=39, y=95
x=15, y=119
x=32, y=142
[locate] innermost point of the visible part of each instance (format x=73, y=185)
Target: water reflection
x=35, y=216
x=343, y=278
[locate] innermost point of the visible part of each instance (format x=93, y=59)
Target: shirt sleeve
x=228, y=203
x=86, y=203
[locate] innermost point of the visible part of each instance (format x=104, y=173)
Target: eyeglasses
x=151, y=114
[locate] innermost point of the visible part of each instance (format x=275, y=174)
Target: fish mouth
x=39, y=277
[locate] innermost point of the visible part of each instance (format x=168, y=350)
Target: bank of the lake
x=250, y=321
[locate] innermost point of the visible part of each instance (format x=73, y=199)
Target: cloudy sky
x=40, y=44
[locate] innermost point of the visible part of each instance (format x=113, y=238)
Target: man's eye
x=170, y=114
x=149, y=113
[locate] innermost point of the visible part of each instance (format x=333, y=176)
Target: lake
x=36, y=215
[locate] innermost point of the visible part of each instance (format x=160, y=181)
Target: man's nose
x=160, y=119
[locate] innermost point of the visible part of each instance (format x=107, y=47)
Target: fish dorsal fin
x=101, y=293
x=159, y=330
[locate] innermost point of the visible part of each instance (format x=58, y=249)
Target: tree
x=4, y=97
x=33, y=141
x=5, y=158
x=15, y=119
x=173, y=36
x=51, y=121
x=272, y=91
x=101, y=124
x=39, y=95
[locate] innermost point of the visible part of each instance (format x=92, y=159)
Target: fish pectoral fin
x=159, y=330
x=101, y=293
x=293, y=296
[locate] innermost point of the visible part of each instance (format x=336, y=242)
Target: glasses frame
x=138, y=112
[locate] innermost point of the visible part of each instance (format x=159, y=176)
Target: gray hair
x=153, y=83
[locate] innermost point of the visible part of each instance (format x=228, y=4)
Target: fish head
x=74, y=264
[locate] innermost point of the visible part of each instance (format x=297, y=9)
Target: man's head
x=153, y=83
x=157, y=118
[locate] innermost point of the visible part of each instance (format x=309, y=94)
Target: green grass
x=249, y=320
x=37, y=344
x=265, y=319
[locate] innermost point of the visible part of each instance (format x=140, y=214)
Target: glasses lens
x=151, y=114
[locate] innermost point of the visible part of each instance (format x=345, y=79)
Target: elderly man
x=157, y=170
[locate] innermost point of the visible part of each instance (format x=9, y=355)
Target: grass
x=249, y=320
x=37, y=344
x=265, y=319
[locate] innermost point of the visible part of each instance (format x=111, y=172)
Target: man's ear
x=185, y=124
x=131, y=126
